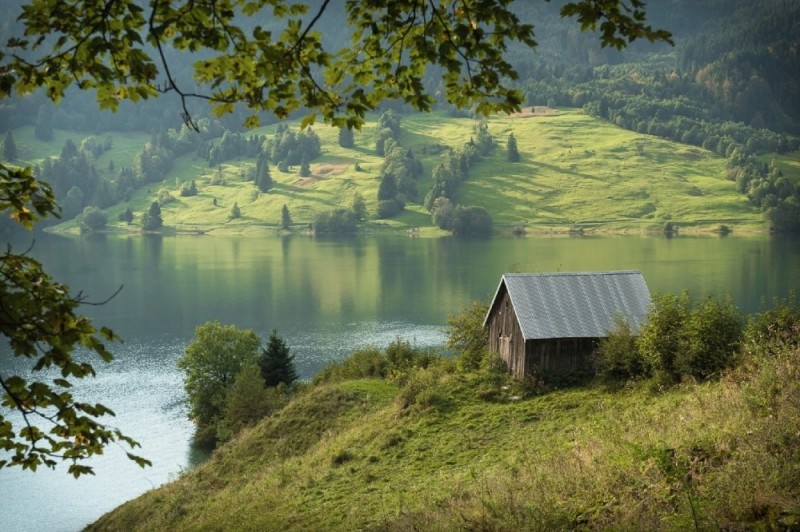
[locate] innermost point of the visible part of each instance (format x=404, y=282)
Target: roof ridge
x=565, y=274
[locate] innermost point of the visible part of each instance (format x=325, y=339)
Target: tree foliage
x=120, y=50
x=211, y=362
x=39, y=321
x=467, y=335
x=275, y=362
x=92, y=219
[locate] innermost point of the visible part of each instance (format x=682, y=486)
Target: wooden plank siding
x=551, y=356
x=505, y=335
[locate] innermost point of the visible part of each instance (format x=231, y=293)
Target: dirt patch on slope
x=528, y=112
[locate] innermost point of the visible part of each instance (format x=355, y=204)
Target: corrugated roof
x=575, y=305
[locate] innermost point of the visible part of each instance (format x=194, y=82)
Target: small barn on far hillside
x=553, y=321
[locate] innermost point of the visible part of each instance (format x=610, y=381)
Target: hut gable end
x=554, y=320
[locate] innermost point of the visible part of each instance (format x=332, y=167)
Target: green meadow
x=443, y=450
x=576, y=171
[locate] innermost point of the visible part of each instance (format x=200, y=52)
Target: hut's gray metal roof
x=577, y=304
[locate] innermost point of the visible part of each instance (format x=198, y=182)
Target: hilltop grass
x=438, y=453
x=575, y=171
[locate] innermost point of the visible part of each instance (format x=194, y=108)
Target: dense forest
x=729, y=85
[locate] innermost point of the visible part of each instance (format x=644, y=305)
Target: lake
x=325, y=297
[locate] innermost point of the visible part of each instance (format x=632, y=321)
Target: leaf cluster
x=39, y=321
x=119, y=49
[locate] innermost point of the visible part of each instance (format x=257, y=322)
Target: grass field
x=358, y=455
x=575, y=171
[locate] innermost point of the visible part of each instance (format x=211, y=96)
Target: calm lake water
x=325, y=297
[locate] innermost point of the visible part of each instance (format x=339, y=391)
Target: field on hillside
x=575, y=171
x=453, y=451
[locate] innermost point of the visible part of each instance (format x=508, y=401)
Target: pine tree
x=305, y=168
x=235, y=211
x=263, y=176
x=151, y=220
x=513, y=152
x=286, y=218
x=388, y=188
x=9, y=148
x=275, y=362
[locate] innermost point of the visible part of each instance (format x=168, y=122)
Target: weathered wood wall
x=549, y=356
x=559, y=355
x=505, y=336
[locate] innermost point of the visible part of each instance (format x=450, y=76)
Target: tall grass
x=430, y=452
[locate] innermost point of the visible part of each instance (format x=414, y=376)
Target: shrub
x=468, y=337
x=337, y=221
x=388, y=208
x=421, y=390
x=664, y=334
x=471, y=221
x=780, y=324
x=164, y=197
x=92, y=219
x=713, y=331
x=364, y=363
x=617, y=360
x=189, y=189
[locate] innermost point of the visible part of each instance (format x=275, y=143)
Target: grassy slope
x=349, y=457
x=575, y=170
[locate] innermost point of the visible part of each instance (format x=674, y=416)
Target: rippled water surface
x=325, y=297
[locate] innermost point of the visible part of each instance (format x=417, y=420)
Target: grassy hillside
x=443, y=450
x=575, y=169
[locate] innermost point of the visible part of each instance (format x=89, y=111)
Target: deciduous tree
x=118, y=49
x=39, y=321
x=211, y=362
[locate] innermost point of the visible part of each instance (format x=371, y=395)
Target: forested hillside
x=729, y=86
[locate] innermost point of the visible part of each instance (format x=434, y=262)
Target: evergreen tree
x=277, y=365
x=346, y=137
x=305, y=168
x=151, y=220
x=388, y=188
x=263, y=176
x=513, y=152
x=236, y=212
x=9, y=148
x=286, y=218
x=126, y=216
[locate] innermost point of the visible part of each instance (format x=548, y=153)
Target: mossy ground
x=575, y=171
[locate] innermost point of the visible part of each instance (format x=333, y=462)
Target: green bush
x=778, y=325
x=394, y=363
x=663, y=335
x=713, y=333
x=423, y=389
x=617, y=359
x=468, y=337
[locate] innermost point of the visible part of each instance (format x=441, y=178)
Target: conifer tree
x=263, y=176
x=275, y=362
x=236, y=212
x=286, y=218
x=305, y=168
x=513, y=152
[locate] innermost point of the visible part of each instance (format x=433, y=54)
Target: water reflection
x=325, y=297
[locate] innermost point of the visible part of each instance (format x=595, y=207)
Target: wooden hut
x=553, y=321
